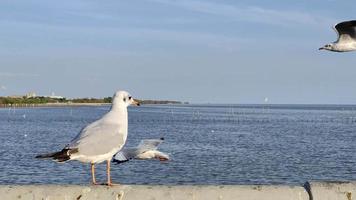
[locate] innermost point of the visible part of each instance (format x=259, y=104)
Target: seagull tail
x=60, y=156
x=48, y=155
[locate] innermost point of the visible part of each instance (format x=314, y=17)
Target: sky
x=200, y=51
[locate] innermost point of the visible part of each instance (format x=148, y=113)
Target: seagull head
x=329, y=47
x=124, y=98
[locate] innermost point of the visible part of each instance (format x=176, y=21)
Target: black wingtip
x=307, y=188
x=162, y=138
x=42, y=156
x=119, y=161
x=38, y=156
x=60, y=156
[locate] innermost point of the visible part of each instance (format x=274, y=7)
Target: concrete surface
x=310, y=191
x=333, y=190
x=141, y=192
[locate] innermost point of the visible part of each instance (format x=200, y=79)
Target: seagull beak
x=135, y=102
x=321, y=48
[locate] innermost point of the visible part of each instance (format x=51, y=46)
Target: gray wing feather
x=127, y=154
x=150, y=144
x=97, y=138
x=130, y=153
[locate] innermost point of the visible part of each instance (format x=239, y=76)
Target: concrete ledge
x=141, y=192
x=333, y=190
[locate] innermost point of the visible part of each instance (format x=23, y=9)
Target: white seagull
x=146, y=150
x=100, y=140
x=346, y=37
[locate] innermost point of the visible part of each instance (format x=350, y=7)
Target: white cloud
x=3, y=87
x=251, y=13
x=15, y=75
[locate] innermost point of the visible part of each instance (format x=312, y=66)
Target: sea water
x=208, y=144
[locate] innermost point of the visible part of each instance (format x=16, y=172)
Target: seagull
x=146, y=150
x=100, y=140
x=346, y=37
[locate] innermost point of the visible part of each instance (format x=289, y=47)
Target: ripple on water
x=207, y=144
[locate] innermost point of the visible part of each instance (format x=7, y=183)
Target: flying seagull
x=346, y=37
x=100, y=140
x=146, y=150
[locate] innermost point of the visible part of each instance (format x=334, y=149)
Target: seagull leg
x=93, y=173
x=109, y=183
x=108, y=172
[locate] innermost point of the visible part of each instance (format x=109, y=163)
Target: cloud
x=180, y=37
x=250, y=13
x=15, y=75
x=3, y=87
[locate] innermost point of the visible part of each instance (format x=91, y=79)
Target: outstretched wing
x=126, y=154
x=346, y=30
x=150, y=144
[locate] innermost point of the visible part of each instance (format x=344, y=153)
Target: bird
x=146, y=150
x=100, y=140
x=346, y=37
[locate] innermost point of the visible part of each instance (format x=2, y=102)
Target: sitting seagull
x=347, y=37
x=100, y=140
x=146, y=150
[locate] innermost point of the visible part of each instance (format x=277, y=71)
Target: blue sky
x=201, y=51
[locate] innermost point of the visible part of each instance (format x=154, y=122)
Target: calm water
x=207, y=144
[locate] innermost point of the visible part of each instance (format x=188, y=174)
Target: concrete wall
x=311, y=191
x=333, y=190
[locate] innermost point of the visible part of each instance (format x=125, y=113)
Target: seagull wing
x=150, y=144
x=346, y=30
x=99, y=137
x=145, y=146
x=126, y=154
x=84, y=133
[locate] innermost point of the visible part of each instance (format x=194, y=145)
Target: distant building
x=31, y=94
x=56, y=97
x=53, y=96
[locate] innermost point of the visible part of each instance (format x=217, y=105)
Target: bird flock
x=104, y=139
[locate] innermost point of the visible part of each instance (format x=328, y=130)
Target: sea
x=207, y=144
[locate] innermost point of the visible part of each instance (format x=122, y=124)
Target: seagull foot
x=111, y=184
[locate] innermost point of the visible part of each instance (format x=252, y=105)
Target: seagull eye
x=130, y=98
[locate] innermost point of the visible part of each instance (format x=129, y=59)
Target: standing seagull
x=146, y=150
x=346, y=37
x=100, y=140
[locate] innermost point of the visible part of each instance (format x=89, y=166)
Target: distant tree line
x=92, y=100
x=44, y=100
x=159, y=102
x=31, y=100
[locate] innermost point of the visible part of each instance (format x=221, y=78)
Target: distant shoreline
x=72, y=104
x=52, y=105
x=42, y=101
